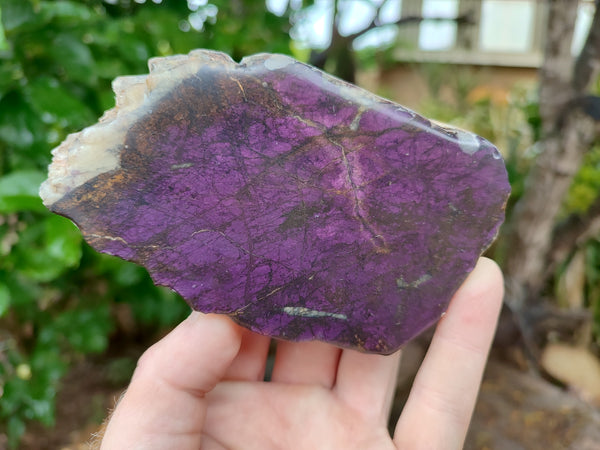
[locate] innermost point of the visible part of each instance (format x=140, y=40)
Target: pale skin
x=201, y=386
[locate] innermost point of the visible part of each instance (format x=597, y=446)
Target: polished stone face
x=301, y=206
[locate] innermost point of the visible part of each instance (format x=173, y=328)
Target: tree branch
x=556, y=74
x=529, y=237
x=339, y=41
x=465, y=19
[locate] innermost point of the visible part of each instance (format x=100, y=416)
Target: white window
x=438, y=35
x=507, y=26
x=497, y=32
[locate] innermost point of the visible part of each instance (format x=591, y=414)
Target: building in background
x=499, y=42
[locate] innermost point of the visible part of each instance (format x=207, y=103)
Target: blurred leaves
x=16, y=13
x=73, y=58
x=4, y=299
x=56, y=104
x=66, y=11
x=19, y=191
x=3, y=42
x=592, y=268
x=586, y=185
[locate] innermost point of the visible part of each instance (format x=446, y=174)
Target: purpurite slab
x=300, y=205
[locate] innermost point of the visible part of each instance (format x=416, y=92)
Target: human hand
x=201, y=386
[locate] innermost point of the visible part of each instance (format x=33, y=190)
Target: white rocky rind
x=95, y=150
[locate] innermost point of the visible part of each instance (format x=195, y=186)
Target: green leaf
x=15, y=428
x=65, y=10
x=23, y=132
x=63, y=241
x=23, y=293
x=3, y=42
x=16, y=13
x=10, y=75
x=53, y=102
x=47, y=248
x=133, y=50
x=157, y=305
x=87, y=329
x=110, y=67
x=19, y=191
x=4, y=299
x=14, y=122
x=74, y=57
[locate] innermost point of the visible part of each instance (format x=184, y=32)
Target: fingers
x=367, y=382
x=164, y=406
x=443, y=396
x=306, y=363
x=249, y=364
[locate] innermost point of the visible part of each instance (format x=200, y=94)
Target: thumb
x=164, y=406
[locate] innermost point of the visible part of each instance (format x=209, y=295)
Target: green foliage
x=58, y=298
x=586, y=185
x=592, y=276
x=584, y=190
x=18, y=191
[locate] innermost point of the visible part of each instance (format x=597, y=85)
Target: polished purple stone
x=301, y=206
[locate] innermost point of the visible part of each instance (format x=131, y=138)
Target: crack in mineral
x=376, y=238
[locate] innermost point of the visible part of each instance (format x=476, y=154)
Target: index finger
x=442, y=399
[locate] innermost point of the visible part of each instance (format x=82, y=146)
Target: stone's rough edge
x=466, y=140
x=72, y=159
x=164, y=72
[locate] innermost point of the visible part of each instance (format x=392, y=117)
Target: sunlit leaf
x=48, y=248
x=86, y=329
x=16, y=13
x=54, y=102
x=64, y=10
x=3, y=42
x=15, y=428
x=20, y=127
x=19, y=191
x=63, y=241
x=4, y=299
x=74, y=57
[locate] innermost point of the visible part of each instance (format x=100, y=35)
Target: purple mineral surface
x=301, y=206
